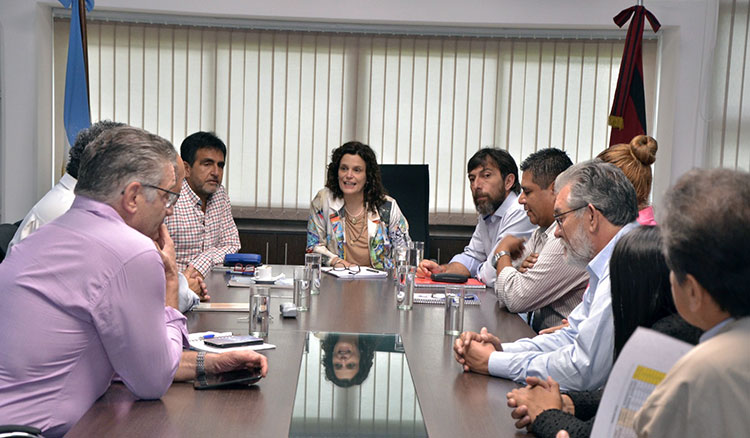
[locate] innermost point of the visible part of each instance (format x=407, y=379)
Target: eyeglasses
x=558, y=217
x=339, y=266
x=171, y=200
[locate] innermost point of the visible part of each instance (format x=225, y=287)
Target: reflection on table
x=354, y=385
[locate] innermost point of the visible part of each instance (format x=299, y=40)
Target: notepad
x=471, y=283
x=196, y=343
x=347, y=274
x=470, y=299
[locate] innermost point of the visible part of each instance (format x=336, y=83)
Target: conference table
x=452, y=403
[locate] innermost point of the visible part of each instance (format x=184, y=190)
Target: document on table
x=196, y=343
x=355, y=275
x=642, y=364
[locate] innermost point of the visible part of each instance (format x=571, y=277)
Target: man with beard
x=202, y=226
x=493, y=176
x=595, y=206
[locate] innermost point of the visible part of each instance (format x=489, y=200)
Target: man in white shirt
x=595, y=206
x=493, y=176
x=544, y=284
x=59, y=199
x=706, y=228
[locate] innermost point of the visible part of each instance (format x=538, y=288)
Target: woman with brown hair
x=635, y=160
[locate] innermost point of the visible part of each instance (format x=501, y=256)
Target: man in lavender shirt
x=84, y=297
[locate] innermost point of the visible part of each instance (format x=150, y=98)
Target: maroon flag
x=628, y=116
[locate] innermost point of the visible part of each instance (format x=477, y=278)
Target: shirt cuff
x=176, y=325
x=469, y=262
x=187, y=298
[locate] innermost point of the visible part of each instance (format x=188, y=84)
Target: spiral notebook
x=471, y=299
x=471, y=283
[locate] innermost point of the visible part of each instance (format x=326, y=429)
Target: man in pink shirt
x=94, y=292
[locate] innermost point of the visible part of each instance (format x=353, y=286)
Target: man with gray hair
x=59, y=199
x=94, y=293
x=595, y=206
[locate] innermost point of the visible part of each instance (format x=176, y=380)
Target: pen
x=371, y=270
x=208, y=336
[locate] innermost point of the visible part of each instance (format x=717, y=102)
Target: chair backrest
x=7, y=231
x=409, y=185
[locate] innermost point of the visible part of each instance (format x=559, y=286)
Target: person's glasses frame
x=339, y=266
x=559, y=216
x=173, y=196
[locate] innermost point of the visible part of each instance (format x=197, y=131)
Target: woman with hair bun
x=635, y=160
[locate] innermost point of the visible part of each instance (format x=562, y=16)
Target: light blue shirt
x=509, y=218
x=578, y=357
x=713, y=331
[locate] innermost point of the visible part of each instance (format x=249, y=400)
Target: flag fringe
x=616, y=122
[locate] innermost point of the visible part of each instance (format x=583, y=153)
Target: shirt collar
x=96, y=207
x=68, y=181
x=600, y=263
x=715, y=330
x=511, y=199
x=188, y=193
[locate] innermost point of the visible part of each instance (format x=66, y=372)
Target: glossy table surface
x=453, y=403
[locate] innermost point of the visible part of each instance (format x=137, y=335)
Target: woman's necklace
x=354, y=218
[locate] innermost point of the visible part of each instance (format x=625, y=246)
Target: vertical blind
x=283, y=100
x=729, y=141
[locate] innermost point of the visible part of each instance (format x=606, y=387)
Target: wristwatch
x=497, y=256
x=200, y=364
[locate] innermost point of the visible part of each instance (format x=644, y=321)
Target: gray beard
x=580, y=251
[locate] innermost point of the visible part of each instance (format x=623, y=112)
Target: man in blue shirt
x=493, y=176
x=595, y=206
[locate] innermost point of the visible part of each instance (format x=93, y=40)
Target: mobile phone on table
x=449, y=278
x=231, y=379
x=233, y=341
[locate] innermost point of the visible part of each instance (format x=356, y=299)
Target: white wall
x=25, y=71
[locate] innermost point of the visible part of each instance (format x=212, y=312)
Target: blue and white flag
x=76, y=114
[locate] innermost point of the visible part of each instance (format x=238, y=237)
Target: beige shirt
x=706, y=393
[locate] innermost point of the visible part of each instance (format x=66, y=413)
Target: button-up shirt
x=552, y=288
x=579, y=357
x=202, y=239
x=83, y=299
x=56, y=202
x=509, y=218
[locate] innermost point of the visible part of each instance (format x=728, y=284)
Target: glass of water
x=455, y=297
x=260, y=304
x=302, y=287
x=312, y=260
x=419, y=248
x=405, y=287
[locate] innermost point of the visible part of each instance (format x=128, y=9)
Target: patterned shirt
x=202, y=239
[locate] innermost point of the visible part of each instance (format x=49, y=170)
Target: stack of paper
x=196, y=343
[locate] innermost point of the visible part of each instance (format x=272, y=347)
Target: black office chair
x=16, y=431
x=7, y=231
x=409, y=185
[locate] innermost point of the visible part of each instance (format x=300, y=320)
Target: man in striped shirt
x=542, y=282
x=202, y=225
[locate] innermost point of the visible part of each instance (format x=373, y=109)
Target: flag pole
x=85, y=44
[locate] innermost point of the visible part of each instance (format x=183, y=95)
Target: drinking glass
x=455, y=297
x=302, y=286
x=260, y=302
x=312, y=260
x=405, y=287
